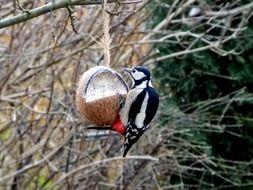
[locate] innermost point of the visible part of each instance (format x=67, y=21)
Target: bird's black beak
x=127, y=70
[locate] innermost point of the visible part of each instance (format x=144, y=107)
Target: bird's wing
x=152, y=106
x=131, y=136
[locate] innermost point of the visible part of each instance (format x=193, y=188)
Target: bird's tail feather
x=126, y=149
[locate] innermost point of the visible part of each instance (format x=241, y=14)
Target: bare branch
x=72, y=19
x=234, y=11
x=29, y=14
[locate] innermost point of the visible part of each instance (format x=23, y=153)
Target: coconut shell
x=98, y=96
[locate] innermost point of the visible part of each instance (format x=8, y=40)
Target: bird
x=137, y=110
x=140, y=106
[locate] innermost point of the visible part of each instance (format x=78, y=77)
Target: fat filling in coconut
x=103, y=84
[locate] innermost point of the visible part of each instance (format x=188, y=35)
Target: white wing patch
x=139, y=120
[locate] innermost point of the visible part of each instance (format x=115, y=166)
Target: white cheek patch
x=138, y=75
x=139, y=120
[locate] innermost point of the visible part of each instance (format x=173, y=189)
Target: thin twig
x=72, y=19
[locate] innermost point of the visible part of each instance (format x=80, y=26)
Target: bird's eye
x=133, y=71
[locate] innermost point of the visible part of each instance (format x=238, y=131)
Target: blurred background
x=200, y=54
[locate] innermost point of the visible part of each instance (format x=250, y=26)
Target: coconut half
x=99, y=95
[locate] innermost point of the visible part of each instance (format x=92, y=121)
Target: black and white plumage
x=140, y=107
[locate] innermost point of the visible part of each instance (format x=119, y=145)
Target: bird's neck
x=141, y=83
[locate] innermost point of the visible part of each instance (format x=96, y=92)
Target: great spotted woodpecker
x=139, y=109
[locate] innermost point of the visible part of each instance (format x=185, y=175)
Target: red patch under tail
x=118, y=126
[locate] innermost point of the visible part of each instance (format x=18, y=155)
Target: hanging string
x=106, y=40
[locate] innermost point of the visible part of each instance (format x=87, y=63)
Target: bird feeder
x=99, y=93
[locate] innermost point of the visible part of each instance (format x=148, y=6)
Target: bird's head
x=140, y=75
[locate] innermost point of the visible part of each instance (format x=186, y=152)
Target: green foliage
x=5, y=135
x=42, y=181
